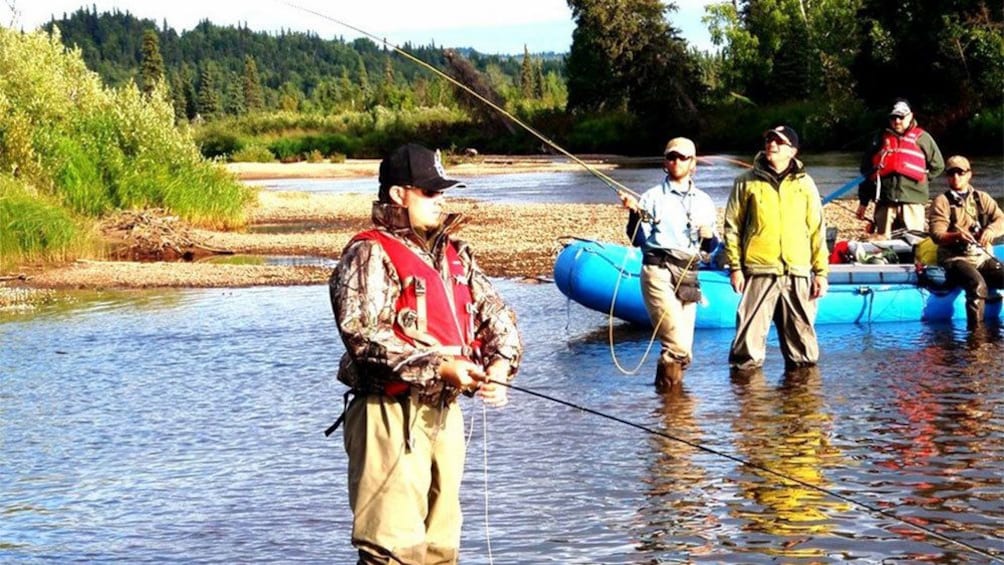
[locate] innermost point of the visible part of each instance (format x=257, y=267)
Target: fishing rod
x=829, y=492
x=617, y=187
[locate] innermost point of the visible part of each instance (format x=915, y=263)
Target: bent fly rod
x=617, y=187
x=926, y=530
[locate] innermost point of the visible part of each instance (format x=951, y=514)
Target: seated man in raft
x=964, y=222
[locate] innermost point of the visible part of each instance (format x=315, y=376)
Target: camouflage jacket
x=364, y=289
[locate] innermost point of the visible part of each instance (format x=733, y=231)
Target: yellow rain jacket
x=775, y=226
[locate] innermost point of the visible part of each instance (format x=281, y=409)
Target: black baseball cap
x=786, y=134
x=414, y=165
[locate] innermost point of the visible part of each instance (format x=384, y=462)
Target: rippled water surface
x=715, y=174
x=187, y=426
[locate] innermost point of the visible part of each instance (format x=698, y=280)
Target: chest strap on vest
x=404, y=398
x=341, y=418
x=420, y=305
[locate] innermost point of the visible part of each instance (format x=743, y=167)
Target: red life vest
x=901, y=155
x=427, y=312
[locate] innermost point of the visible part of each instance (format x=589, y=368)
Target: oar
x=838, y=192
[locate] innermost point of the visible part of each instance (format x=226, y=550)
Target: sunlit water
x=186, y=426
x=715, y=174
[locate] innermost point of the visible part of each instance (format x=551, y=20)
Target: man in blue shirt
x=679, y=222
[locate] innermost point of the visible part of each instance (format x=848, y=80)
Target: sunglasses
x=956, y=172
x=674, y=156
x=776, y=139
x=897, y=118
x=427, y=192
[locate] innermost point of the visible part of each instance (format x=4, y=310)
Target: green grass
x=36, y=229
x=73, y=151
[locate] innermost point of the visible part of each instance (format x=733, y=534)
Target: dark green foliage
x=299, y=148
x=604, y=133
x=947, y=57
x=831, y=66
x=151, y=71
x=254, y=99
x=626, y=56
x=289, y=66
x=219, y=142
x=178, y=97
x=527, y=77
x=208, y=102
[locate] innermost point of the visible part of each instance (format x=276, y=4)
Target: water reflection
x=676, y=518
x=786, y=429
x=946, y=427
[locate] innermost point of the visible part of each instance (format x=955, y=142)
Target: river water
x=186, y=426
x=714, y=175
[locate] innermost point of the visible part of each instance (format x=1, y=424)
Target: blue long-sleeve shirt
x=678, y=211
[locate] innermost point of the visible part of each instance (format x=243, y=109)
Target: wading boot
x=668, y=377
x=974, y=313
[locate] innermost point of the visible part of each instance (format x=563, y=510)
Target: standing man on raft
x=421, y=324
x=680, y=222
x=898, y=168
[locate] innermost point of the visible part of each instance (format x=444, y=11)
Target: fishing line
x=619, y=188
x=607, y=180
x=484, y=457
x=873, y=509
x=484, y=454
x=655, y=328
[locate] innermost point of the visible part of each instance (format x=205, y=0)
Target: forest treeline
x=830, y=68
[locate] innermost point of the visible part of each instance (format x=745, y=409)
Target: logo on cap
x=900, y=109
x=438, y=164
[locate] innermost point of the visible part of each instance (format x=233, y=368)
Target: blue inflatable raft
x=593, y=273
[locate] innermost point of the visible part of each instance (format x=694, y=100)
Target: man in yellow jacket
x=776, y=250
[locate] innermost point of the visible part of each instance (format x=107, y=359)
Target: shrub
x=253, y=153
x=216, y=142
x=91, y=149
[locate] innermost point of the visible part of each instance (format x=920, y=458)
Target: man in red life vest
x=421, y=324
x=898, y=168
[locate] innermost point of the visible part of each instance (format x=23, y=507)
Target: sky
x=489, y=27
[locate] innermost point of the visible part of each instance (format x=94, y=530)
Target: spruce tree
x=254, y=100
x=187, y=76
x=526, y=76
x=151, y=70
x=538, y=80
x=209, y=98
x=178, y=97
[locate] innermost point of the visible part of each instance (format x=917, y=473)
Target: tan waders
x=405, y=465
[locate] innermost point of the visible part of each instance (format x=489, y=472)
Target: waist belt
x=662, y=258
